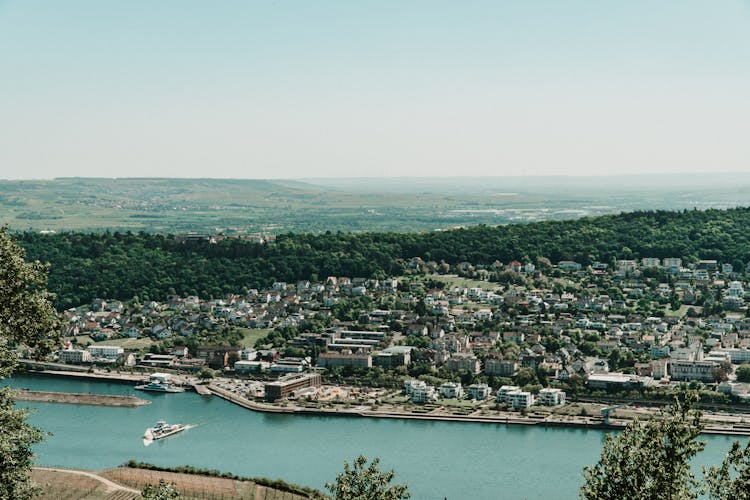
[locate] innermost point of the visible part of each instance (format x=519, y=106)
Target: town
x=516, y=334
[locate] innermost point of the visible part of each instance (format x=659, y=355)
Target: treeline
x=124, y=265
x=276, y=484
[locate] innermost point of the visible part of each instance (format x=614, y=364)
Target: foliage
x=276, y=484
x=163, y=491
x=360, y=481
x=731, y=480
x=16, y=457
x=26, y=318
x=743, y=373
x=123, y=265
x=650, y=460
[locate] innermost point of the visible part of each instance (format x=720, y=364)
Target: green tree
x=361, y=481
x=28, y=319
x=206, y=374
x=650, y=460
x=743, y=373
x=731, y=480
x=163, y=491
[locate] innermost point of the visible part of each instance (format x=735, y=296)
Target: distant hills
x=237, y=207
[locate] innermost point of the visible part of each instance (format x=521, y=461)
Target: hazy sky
x=315, y=88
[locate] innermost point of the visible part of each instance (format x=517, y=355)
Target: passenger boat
x=162, y=430
x=159, y=382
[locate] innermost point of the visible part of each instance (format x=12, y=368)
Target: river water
x=453, y=460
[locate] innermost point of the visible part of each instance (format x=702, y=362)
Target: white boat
x=159, y=382
x=162, y=430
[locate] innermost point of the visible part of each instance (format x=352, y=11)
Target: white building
x=520, y=399
x=502, y=393
x=692, y=370
x=105, y=351
x=551, y=397
x=422, y=393
x=74, y=356
x=451, y=390
x=480, y=392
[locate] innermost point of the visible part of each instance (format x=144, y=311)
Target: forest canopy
x=123, y=265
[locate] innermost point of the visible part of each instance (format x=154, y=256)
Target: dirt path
x=111, y=485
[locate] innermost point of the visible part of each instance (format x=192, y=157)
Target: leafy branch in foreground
x=731, y=480
x=650, y=459
x=360, y=480
x=26, y=318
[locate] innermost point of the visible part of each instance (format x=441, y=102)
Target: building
x=289, y=365
x=613, y=381
x=105, y=351
x=520, y=399
x=74, y=356
x=287, y=385
x=394, y=356
x=451, y=390
x=480, y=392
x=502, y=393
x=702, y=371
x=551, y=397
x=500, y=367
x=332, y=359
x=463, y=362
x=423, y=393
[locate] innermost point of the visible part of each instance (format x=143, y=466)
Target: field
x=124, y=483
x=251, y=335
x=242, y=207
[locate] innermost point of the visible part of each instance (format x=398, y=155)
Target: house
x=502, y=393
x=480, y=392
x=520, y=399
x=551, y=397
x=451, y=390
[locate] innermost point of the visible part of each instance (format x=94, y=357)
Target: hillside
x=122, y=265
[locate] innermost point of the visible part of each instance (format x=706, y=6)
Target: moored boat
x=159, y=382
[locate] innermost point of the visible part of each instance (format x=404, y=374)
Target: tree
x=163, y=491
x=206, y=374
x=360, y=481
x=730, y=481
x=743, y=373
x=26, y=318
x=650, y=460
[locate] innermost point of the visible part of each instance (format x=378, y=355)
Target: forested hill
x=117, y=265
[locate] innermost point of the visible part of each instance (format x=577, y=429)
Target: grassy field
x=63, y=485
x=251, y=335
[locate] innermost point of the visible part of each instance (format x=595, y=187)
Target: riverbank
x=79, y=399
x=480, y=416
x=720, y=424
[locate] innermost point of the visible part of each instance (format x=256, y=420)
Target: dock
x=203, y=390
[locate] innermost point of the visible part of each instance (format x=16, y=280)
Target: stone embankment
x=79, y=399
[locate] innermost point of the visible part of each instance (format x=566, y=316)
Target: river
x=438, y=460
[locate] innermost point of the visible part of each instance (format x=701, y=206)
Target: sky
x=417, y=88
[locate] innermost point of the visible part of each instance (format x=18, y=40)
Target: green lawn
x=251, y=335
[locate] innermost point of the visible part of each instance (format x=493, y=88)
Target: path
x=111, y=485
